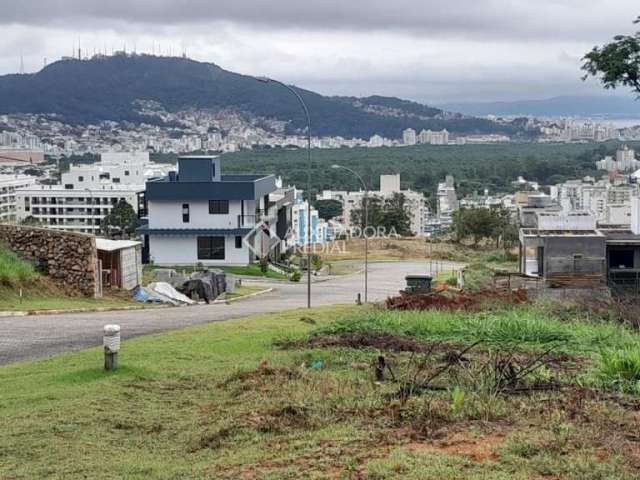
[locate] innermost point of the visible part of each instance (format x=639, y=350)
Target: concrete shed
x=120, y=263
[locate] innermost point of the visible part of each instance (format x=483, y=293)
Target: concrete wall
x=559, y=255
x=561, y=221
x=70, y=259
x=564, y=254
x=183, y=250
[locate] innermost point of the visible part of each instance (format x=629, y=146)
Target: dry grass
x=223, y=401
x=401, y=248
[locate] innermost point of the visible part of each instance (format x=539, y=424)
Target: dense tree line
x=475, y=167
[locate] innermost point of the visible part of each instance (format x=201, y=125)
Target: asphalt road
x=37, y=336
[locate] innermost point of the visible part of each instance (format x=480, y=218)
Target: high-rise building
x=8, y=186
x=409, y=136
x=447, y=200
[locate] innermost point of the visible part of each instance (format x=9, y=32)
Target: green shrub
x=264, y=265
x=295, y=276
x=453, y=281
x=14, y=269
x=621, y=366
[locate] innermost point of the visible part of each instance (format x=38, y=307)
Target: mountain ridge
x=108, y=88
x=564, y=105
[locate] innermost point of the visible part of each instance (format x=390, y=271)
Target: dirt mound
x=378, y=340
x=452, y=300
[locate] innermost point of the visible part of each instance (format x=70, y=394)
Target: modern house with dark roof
x=200, y=215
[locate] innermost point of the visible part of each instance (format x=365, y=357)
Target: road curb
x=254, y=294
x=25, y=313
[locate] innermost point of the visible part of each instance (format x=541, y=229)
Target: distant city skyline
x=428, y=51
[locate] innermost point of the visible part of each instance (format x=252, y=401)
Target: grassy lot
x=22, y=288
x=43, y=296
x=287, y=395
x=482, y=266
x=252, y=270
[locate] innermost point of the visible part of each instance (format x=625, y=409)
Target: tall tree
x=396, y=215
x=328, y=209
x=617, y=63
x=374, y=212
x=390, y=213
x=121, y=221
x=479, y=224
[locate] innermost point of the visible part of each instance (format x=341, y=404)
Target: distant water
x=623, y=122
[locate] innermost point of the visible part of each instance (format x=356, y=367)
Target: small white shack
x=120, y=263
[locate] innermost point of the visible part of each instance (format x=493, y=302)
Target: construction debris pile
x=181, y=289
x=455, y=299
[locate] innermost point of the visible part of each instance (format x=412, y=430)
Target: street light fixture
x=306, y=113
x=364, y=231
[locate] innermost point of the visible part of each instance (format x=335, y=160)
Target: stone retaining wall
x=70, y=259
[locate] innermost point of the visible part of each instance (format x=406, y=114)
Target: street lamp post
x=364, y=231
x=306, y=113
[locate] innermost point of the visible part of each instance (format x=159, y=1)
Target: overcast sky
x=425, y=50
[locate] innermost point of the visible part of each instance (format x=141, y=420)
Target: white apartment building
x=376, y=141
x=608, y=201
x=114, y=168
x=389, y=184
x=447, y=200
x=59, y=208
x=409, y=136
x=427, y=137
x=625, y=161
x=8, y=186
x=87, y=193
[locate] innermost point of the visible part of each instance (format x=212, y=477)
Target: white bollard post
x=111, y=343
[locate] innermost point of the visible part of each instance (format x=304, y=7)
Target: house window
x=218, y=207
x=238, y=241
x=116, y=180
x=68, y=186
x=126, y=173
x=81, y=178
x=185, y=213
x=213, y=170
x=210, y=248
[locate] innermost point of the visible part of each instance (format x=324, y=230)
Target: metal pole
x=366, y=246
x=306, y=113
x=366, y=224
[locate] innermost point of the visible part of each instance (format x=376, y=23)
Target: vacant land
x=481, y=261
x=528, y=391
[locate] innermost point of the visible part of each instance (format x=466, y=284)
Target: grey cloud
x=543, y=20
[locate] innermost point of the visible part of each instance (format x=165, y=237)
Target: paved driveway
x=35, y=336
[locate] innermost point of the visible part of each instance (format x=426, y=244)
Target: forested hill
x=107, y=88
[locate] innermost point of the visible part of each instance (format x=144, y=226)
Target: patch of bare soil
x=330, y=459
x=378, y=340
x=281, y=419
x=477, y=448
x=455, y=300
x=260, y=378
